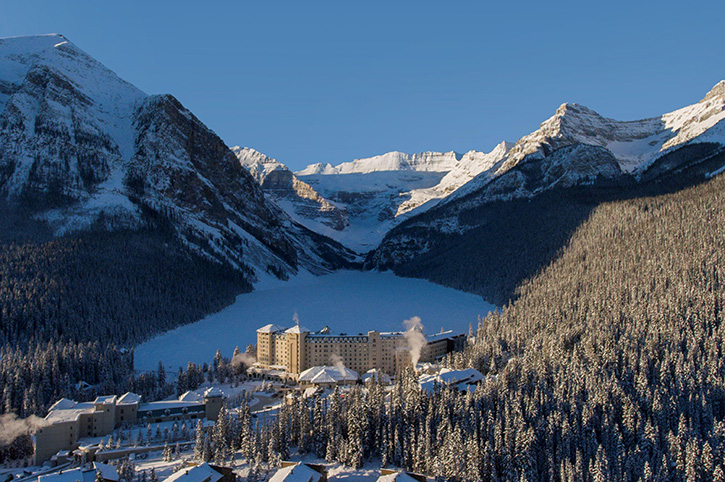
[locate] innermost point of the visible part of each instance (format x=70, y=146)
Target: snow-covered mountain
x=80, y=146
x=575, y=149
x=298, y=198
x=635, y=145
x=380, y=192
x=574, y=146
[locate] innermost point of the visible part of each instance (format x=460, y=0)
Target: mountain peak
x=574, y=108
x=717, y=91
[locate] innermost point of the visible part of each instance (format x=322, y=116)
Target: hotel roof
x=271, y=328
x=297, y=329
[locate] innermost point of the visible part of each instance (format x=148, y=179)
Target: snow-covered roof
x=375, y=374
x=74, y=475
x=65, y=410
x=271, y=328
x=310, y=392
x=166, y=405
x=396, y=477
x=468, y=375
x=190, y=397
x=297, y=329
x=108, y=472
x=63, y=404
x=441, y=336
x=326, y=374
x=463, y=380
x=105, y=400
x=200, y=473
x=296, y=473
x=213, y=392
x=129, y=398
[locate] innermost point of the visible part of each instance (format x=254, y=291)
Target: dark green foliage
x=613, y=355
x=67, y=304
x=510, y=242
x=119, y=287
x=503, y=243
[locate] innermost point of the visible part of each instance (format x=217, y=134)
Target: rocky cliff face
x=79, y=145
x=301, y=200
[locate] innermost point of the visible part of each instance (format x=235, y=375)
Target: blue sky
x=332, y=81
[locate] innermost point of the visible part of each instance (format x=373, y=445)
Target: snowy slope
x=634, y=144
x=79, y=146
x=380, y=192
x=59, y=103
x=391, y=161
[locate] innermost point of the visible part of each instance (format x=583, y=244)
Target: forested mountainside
x=491, y=240
x=612, y=357
x=608, y=367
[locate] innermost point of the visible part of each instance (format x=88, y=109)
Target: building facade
x=68, y=421
x=296, y=349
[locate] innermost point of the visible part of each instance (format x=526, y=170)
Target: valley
x=579, y=271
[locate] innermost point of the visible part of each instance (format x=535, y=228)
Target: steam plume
x=12, y=427
x=336, y=360
x=245, y=359
x=415, y=338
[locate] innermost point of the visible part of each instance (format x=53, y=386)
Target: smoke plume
x=415, y=338
x=296, y=318
x=12, y=427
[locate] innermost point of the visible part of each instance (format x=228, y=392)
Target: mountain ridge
x=78, y=144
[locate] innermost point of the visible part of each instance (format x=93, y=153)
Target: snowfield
x=346, y=301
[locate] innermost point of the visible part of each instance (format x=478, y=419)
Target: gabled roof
x=464, y=380
x=213, y=392
x=200, y=473
x=297, y=329
x=327, y=374
x=129, y=398
x=62, y=404
x=397, y=477
x=105, y=400
x=375, y=374
x=468, y=375
x=190, y=397
x=296, y=473
x=271, y=328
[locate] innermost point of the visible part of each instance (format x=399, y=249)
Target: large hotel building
x=295, y=349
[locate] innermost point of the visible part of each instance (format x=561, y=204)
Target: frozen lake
x=346, y=301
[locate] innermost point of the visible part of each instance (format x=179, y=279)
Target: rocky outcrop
x=300, y=199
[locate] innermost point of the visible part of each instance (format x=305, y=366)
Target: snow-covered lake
x=346, y=301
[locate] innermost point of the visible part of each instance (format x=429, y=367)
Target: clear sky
x=332, y=81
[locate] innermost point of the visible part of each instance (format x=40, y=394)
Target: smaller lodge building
x=69, y=421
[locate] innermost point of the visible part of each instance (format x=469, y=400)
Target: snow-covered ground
x=346, y=301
